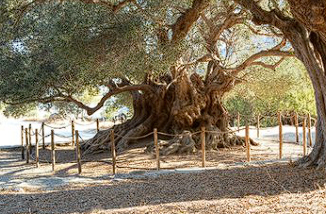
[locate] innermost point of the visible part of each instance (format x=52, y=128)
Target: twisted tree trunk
x=174, y=104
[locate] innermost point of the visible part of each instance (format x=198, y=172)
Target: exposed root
x=307, y=162
x=188, y=143
x=99, y=143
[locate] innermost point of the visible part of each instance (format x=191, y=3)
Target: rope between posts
x=62, y=136
x=88, y=131
x=225, y=132
x=53, y=127
x=178, y=135
x=47, y=135
x=169, y=135
x=81, y=124
x=135, y=138
x=254, y=116
x=274, y=115
x=80, y=137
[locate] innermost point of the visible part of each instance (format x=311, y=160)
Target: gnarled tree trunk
x=176, y=103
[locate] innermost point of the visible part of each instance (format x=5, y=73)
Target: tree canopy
x=177, y=59
x=56, y=51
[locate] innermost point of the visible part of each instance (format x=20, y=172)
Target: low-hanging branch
x=100, y=104
x=183, y=24
x=62, y=97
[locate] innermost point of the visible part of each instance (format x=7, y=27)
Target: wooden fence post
x=247, y=144
x=309, y=130
x=78, y=154
x=279, y=115
x=304, y=137
x=113, y=153
x=30, y=138
x=36, y=149
x=157, y=149
x=296, y=121
x=22, y=142
x=26, y=145
x=238, y=122
x=258, y=125
x=97, y=125
x=73, y=133
x=52, y=150
x=203, y=146
x=43, y=136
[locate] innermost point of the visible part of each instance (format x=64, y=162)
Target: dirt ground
x=228, y=185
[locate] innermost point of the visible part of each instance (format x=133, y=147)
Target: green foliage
x=70, y=47
x=288, y=89
x=116, y=103
x=73, y=48
x=111, y=110
x=17, y=111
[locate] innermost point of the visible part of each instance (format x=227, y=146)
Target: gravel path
x=271, y=189
x=228, y=185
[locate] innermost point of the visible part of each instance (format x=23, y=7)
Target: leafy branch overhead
x=111, y=41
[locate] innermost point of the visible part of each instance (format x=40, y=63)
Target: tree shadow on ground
x=183, y=187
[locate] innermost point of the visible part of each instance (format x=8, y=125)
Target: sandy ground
x=228, y=185
x=10, y=130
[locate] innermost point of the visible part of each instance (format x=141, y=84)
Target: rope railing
x=262, y=116
x=155, y=135
x=134, y=138
x=90, y=131
x=57, y=127
x=178, y=135
x=224, y=132
x=83, y=124
x=62, y=136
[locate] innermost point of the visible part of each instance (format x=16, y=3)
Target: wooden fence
x=75, y=140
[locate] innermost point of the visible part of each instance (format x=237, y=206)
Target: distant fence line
x=27, y=133
x=269, y=119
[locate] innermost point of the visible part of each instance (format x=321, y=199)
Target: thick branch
x=215, y=31
x=251, y=60
x=268, y=66
x=183, y=24
x=259, y=32
x=92, y=110
x=43, y=100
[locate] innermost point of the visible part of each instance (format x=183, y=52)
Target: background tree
x=303, y=24
x=287, y=89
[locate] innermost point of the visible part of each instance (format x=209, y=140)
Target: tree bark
x=176, y=104
x=307, y=34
